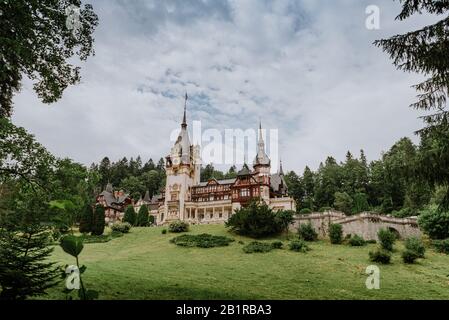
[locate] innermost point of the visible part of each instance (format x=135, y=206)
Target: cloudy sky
x=305, y=67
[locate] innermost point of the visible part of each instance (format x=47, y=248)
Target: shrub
x=130, y=216
x=98, y=222
x=380, y=255
x=256, y=220
x=122, y=227
x=299, y=246
x=357, y=241
x=324, y=209
x=386, y=239
x=277, y=244
x=178, y=226
x=307, y=232
x=336, y=233
x=305, y=211
x=142, y=217
x=257, y=247
x=409, y=256
x=434, y=223
x=371, y=241
x=164, y=231
x=151, y=220
x=441, y=245
x=416, y=245
x=201, y=241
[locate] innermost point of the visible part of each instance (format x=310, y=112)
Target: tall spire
x=184, y=119
x=281, y=171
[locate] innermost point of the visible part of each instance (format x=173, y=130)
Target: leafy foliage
x=343, y=202
x=336, y=233
x=386, y=239
x=307, y=232
x=142, y=217
x=178, y=226
x=441, y=245
x=257, y=247
x=357, y=241
x=416, y=245
x=86, y=219
x=98, y=221
x=299, y=245
x=435, y=223
x=201, y=241
x=425, y=51
x=380, y=255
x=256, y=220
x=409, y=256
x=36, y=42
x=123, y=227
x=130, y=215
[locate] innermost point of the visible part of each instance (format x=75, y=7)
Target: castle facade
x=188, y=199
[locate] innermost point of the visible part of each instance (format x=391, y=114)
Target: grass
x=145, y=265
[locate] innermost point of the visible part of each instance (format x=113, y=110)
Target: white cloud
x=305, y=67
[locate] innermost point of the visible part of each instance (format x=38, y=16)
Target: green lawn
x=145, y=265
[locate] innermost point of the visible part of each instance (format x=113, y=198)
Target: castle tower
x=182, y=168
x=262, y=167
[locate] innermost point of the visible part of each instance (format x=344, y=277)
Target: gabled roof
x=221, y=182
x=244, y=172
x=277, y=183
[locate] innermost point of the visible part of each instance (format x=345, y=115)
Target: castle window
x=211, y=216
x=220, y=215
x=244, y=193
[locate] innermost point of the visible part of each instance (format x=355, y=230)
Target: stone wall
x=364, y=224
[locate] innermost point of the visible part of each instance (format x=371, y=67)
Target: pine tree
x=98, y=221
x=130, y=216
x=426, y=51
x=24, y=267
x=142, y=216
x=86, y=219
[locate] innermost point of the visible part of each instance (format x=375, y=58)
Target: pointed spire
x=184, y=120
x=260, y=130
x=281, y=171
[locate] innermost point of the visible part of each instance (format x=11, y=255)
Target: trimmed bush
x=307, y=232
x=336, y=233
x=371, y=241
x=441, y=246
x=386, y=239
x=151, y=219
x=416, y=245
x=277, y=244
x=201, y=241
x=305, y=211
x=256, y=220
x=178, y=227
x=122, y=227
x=409, y=256
x=164, y=231
x=257, y=247
x=299, y=246
x=380, y=255
x=357, y=241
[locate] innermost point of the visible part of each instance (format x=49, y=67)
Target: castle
x=188, y=199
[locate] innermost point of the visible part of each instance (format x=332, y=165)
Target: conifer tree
x=130, y=216
x=86, y=219
x=426, y=51
x=142, y=216
x=98, y=222
x=24, y=267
